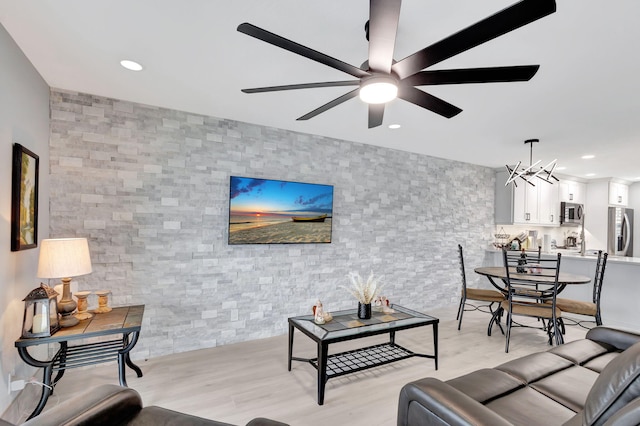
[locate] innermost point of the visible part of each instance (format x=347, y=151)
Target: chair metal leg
x=508, y=323
x=460, y=312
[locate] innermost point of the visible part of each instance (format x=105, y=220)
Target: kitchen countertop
x=575, y=254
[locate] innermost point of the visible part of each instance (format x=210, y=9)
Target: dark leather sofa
x=111, y=405
x=594, y=381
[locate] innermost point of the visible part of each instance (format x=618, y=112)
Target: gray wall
x=149, y=188
x=24, y=119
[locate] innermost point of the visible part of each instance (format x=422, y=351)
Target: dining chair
x=479, y=295
x=532, y=288
x=592, y=308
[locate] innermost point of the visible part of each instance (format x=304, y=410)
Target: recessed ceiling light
x=590, y=174
x=394, y=126
x=131, y=65
x=561, y=168
x=588, y=157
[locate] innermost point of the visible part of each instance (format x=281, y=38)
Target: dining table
x=498, y=274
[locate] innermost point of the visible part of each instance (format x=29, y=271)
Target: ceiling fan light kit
x=399, y=78
x=378, y=89
x=528, y=174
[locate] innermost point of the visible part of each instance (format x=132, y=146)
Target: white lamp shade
x=64, y=258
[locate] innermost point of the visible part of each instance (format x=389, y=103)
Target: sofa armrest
x=620, y=339
x=432, y=402
x=105, y=405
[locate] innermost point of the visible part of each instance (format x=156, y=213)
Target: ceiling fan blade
x=329, y=105
x=376, y=113
x=383, y=26
x=302, y=86
x=430, y=102
x=473, y=75
x=506, y=20
x=299, y=49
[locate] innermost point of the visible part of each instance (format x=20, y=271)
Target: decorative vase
x=364, y=310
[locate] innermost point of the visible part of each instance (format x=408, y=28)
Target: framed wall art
x=266, y=211
x=24, y=199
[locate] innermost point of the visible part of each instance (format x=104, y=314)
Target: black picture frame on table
x=24, y=199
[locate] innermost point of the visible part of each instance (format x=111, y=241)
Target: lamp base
x=68, y=320
x=67, y=305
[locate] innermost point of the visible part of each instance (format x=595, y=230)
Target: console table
x=125, y=320
x=346, y=325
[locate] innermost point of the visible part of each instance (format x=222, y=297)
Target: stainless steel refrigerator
x=620, y=232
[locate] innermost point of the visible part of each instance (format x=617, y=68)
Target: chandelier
x=529, y=174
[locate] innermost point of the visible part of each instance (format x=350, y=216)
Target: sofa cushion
x=475, y=384
x=534, y=367
x=568, y=387
x=529, y=407
x=617, y=385
x=581, y=351
x=157, y=416
x=599, y=363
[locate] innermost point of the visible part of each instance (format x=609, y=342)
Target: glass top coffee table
x=346, y=325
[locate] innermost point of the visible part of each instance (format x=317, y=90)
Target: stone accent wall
x=149, y=187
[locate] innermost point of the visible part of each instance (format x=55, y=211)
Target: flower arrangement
x=364, y=291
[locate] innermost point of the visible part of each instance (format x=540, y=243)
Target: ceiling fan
x=381, y=78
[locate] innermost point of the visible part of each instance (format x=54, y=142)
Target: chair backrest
x=533, y=278
x=601, y=263
x=464, y=276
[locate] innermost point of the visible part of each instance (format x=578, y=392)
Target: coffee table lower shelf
x=361, y=359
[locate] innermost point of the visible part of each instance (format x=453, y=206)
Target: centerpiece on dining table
x=365, y=291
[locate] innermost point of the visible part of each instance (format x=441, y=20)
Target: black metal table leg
x=323, y=350
x=290, y=346
x=47, y=367
x=392, y=337
x=435, y=343
x=123, y=358
x=62, y=356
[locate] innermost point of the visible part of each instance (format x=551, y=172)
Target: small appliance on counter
x=571, y=214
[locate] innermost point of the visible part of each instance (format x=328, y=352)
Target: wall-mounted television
x=266, y=211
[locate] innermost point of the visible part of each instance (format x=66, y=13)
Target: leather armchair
x=111, y=405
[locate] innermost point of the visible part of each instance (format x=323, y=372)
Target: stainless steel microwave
x=571, y=214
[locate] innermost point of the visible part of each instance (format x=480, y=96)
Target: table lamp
x=64, y=258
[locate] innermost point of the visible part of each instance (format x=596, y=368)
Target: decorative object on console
x=40, y=312
x=65, y=258
x=365, y=292
x=24, y=199
x=103, y=302
x=529, y=173
x=83, y=305
x=318, y=313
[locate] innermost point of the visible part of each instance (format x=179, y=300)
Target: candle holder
x=103, y=302
x=83, y=305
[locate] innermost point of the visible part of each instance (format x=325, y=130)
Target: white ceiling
x=585, y=98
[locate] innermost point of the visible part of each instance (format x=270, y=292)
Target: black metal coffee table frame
x=339, y=364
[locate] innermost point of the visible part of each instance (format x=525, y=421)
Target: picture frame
x=271, y=211
x=24, y=199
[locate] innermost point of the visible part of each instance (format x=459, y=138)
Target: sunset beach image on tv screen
x=265, y=211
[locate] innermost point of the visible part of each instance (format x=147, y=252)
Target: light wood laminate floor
x=235, y=383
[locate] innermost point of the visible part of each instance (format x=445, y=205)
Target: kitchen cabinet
x=572, y=192
x=548, y=204
x=618, y=194
x=526, y=204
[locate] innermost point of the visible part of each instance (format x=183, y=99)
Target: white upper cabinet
x=526, y=204
x=548, y=204
x=573, y=192
x=618, y=194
